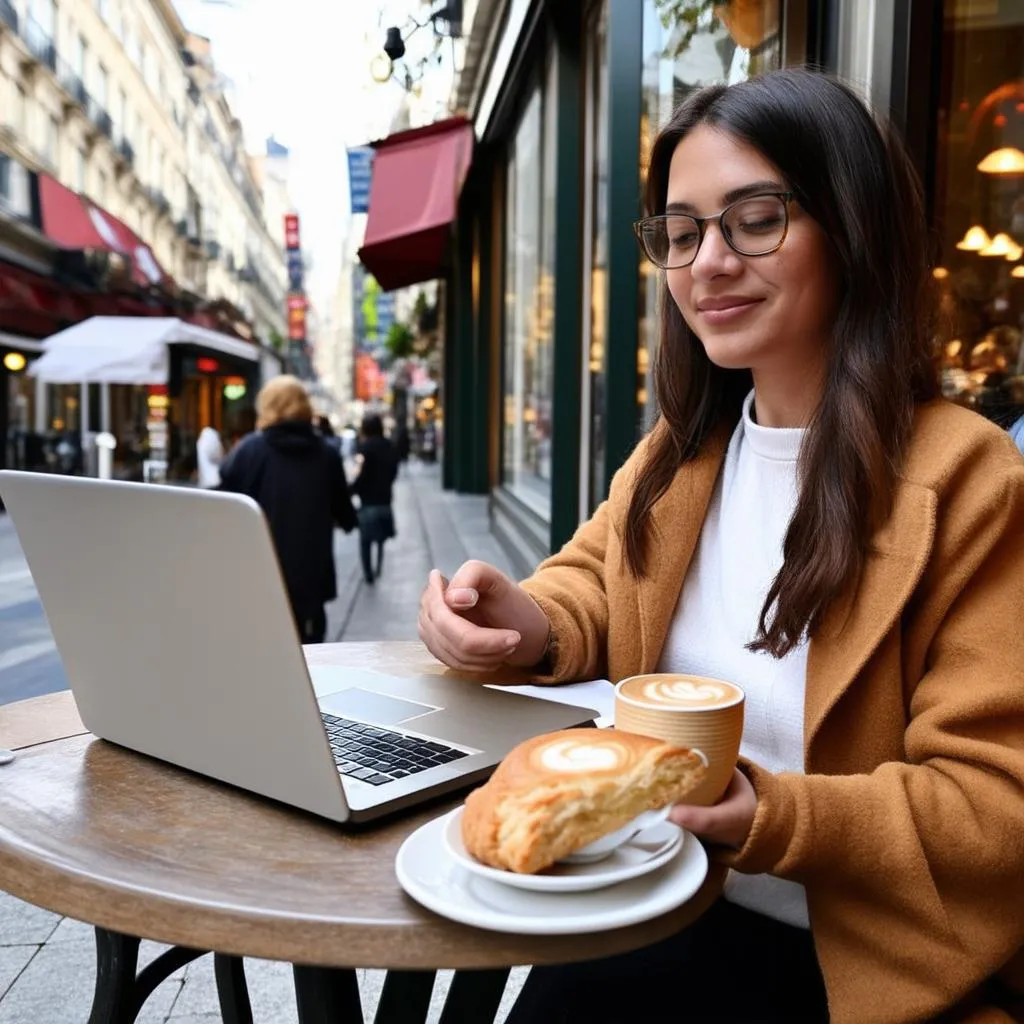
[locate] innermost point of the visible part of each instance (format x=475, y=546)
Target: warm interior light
x=14, y=361
x=1008, y=160
x=975, y=239
x=1017, y=272
x=1001, y=245
x=381, y=67
x=940, y=273
x=1015, y=253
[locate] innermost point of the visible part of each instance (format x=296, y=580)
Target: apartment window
x=44, y=12
x=81, y=50
x=21, y=112
x=103, y=9
x=51, y=150
x=102, y=86
x=80, y=170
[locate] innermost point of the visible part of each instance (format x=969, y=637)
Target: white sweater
x=738, y=556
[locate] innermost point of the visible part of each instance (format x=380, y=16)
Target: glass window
x=529, y=302
x=595, y=308
x=688, y=44
x=979, y=208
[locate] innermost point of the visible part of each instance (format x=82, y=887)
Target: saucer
x=645, y=852
x=432, y=877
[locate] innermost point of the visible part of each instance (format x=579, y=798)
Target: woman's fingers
x=455, y=640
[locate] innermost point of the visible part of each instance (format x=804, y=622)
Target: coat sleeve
x=931, y=848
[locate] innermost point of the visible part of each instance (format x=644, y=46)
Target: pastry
x=556, y=793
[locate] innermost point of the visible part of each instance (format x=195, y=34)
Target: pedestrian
x=209, y=456
x=299, y=483
x=807, y=520
x=373, y=486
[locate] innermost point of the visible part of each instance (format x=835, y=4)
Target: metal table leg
x=474, y=996
x=405, y=998
x=120, y=990
x=327, y=995
x=232, y=992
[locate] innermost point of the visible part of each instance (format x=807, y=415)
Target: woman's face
x=770, y=313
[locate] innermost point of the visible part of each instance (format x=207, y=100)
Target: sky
x=299, y=70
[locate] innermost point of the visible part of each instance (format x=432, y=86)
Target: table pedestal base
x=324, y=995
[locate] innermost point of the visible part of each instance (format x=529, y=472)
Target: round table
x=142, y=849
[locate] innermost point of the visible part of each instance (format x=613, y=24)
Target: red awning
x=417, y=176
x=71, y=221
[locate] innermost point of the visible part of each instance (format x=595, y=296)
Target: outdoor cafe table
x=141, y=849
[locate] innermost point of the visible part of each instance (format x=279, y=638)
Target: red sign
x=297, y=323
x=204, y=364
x=297, y=302
x=291, y=231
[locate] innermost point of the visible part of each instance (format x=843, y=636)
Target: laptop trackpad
x=378, y=708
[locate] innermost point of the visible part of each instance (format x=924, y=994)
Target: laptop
x=171, y=618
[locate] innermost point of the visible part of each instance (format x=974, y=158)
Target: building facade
x=551, y=311
x=113, y=108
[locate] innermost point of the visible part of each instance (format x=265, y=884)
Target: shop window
x=688, y=44
x=979, y=208
x=529, y=302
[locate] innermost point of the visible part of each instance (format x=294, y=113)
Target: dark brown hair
x=854, y=178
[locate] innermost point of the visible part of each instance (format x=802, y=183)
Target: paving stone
x=13, y=960
x=23, y=924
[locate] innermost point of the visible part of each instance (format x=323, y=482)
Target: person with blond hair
x=299, y=482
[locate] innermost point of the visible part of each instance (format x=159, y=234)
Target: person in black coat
x=377, y=471
x=299, y=482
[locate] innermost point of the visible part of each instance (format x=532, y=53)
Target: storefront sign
x=291, y=231
x=360, y=173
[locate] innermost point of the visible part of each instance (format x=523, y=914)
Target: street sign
x=360, y=173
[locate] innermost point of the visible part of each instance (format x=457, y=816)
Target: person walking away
x=209, y=456
x=299, y=482
x=377, y=471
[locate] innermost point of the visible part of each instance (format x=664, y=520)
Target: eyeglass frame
x=701, y=222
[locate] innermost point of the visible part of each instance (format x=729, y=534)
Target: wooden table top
x=132, y=844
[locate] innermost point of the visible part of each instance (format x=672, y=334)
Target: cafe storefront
x=547, y=377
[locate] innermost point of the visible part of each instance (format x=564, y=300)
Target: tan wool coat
x=907, y=828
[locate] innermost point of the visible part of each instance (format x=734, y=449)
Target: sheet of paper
x=598, y=694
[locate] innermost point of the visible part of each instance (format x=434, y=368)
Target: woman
x=300, y=484
x=807, y=520
x=378, y=468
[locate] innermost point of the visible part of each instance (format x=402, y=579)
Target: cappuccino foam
x=660, y=691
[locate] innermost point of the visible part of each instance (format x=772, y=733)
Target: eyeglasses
x=751, y=227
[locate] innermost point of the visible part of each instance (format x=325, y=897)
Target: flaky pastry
x=556, y=793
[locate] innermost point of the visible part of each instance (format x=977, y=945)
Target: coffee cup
x=689, y=711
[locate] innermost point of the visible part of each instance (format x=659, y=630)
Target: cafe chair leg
x=327, y=995
x=232, y=991
x=405, y=997
x=474, y=996
x=117, y=957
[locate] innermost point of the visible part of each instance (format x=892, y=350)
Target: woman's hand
x=481, y=620
x=728, y=822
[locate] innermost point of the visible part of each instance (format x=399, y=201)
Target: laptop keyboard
x=377, y=755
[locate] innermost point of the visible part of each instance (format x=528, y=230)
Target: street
x=29, y=663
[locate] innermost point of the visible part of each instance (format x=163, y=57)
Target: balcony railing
x=213, y=248
x=99, y=117
x=127, y=152
x=40, y=44
x=73, y=85
x=8, y=15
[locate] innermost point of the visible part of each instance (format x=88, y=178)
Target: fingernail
x=464, y=596
x=513, y=641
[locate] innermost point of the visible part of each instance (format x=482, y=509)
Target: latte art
x=572, y=755
x=681, y=691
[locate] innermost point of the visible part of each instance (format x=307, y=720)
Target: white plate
x=432, y=877
x=645, y=852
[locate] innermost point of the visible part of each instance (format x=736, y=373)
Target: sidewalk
x=47, y=963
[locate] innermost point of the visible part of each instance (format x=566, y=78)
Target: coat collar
x=855, y=624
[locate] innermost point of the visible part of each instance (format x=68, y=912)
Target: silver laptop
x=171, y=618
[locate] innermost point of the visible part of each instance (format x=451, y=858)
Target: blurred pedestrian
x=209, y=456
x=299, y=483
x=402, y=442
x=377, y=471
x=326, y=431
